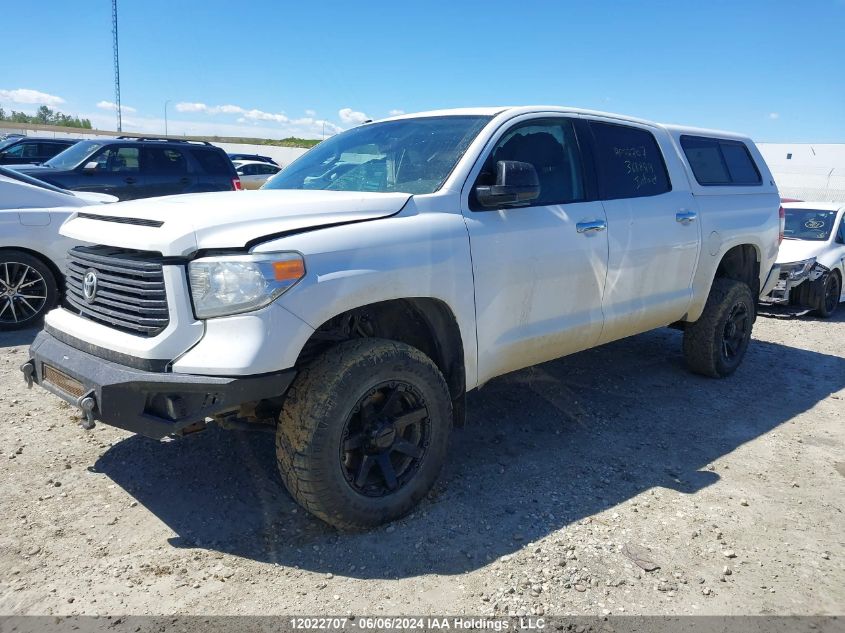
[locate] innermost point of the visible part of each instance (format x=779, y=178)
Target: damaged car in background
x=811, y=258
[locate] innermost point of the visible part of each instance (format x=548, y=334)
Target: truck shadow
x=543, y=448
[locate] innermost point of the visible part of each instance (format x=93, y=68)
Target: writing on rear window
x=636, y=165
x=629, y=162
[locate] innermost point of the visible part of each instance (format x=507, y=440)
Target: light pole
x=165, y=116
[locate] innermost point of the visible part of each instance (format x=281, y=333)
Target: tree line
x=45, y=116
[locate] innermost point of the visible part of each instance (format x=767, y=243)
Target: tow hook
x=87, y=403
x=28, y=369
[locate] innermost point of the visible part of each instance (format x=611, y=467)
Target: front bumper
x=788, y=290
x=154, y=404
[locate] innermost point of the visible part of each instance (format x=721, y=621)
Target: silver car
x=32, y=253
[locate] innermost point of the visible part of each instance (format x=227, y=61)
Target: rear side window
x=629, y=162
x=164, y=160
x=214, y=163
x=717, y=161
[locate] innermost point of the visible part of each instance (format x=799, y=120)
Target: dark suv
x=131, y=168
x=18, y=151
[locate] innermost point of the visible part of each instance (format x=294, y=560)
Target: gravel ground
x=569, y=483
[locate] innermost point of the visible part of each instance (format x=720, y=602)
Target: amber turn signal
x=289, y=270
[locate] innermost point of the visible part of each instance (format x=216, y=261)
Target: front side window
x=116, y=159
x=629, y=162
x=550, y=145
x=808, y=224
x=409, y=155
x=720, y=161
x=17, y=151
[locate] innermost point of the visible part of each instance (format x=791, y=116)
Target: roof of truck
x=517, y=110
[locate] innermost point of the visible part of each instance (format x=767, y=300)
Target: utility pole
x=116, y=66
x=165, y=116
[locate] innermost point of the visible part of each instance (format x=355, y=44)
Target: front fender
x=411, y=255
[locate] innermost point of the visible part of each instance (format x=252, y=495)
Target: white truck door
x=539, y=267
x=653, y=228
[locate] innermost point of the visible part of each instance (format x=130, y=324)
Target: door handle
x=685, y=217
x=591, y=227
x=185, y=181
x=129, y=181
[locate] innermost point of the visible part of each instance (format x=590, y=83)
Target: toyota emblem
x=89, y=286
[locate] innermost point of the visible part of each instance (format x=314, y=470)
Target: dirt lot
x=564, y=473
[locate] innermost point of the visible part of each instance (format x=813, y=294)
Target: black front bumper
x=154, y=404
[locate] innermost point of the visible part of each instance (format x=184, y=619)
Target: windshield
x=809, y=224
x=73, y=155
x=7, y=142
x=409, y=156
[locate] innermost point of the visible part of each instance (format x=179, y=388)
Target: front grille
x=130, y=294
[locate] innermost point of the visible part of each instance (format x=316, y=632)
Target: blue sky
x=774, y=69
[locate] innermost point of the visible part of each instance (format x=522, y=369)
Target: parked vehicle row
x=351, y=304
x=132, y=168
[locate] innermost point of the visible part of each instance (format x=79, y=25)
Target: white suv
x=354, y=301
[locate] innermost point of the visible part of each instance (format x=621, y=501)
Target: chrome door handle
x=685, y=217
x=591, y=227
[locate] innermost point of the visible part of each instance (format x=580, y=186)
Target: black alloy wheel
x=385, y=439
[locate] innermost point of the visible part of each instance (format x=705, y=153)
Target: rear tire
x=828, y=300
x=28, y=290
x=716, y=344
x=364, y=432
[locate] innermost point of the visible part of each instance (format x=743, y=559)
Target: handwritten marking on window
x=637, y=165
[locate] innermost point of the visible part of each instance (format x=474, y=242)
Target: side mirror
x=516, y=183
x=90, y=168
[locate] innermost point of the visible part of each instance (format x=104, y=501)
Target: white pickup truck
x=351, y=304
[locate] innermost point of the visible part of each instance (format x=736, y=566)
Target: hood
x=798, y=250
x=180, y=225
x=94, y=198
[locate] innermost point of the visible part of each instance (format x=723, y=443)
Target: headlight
x=798, y=270
x=241, y=283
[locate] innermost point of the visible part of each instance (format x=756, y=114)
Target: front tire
x=828, y=300
x=364, y=432
x=716, y=344
x=28, y=290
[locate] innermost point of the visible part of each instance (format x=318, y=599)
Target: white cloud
x=25, y=95
x=252, y=122
x=203, y=126
x=109, y=105
x=774, y=115
x=396, y=112
x=254, y=115
x=191, y=107
x=351, y=117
